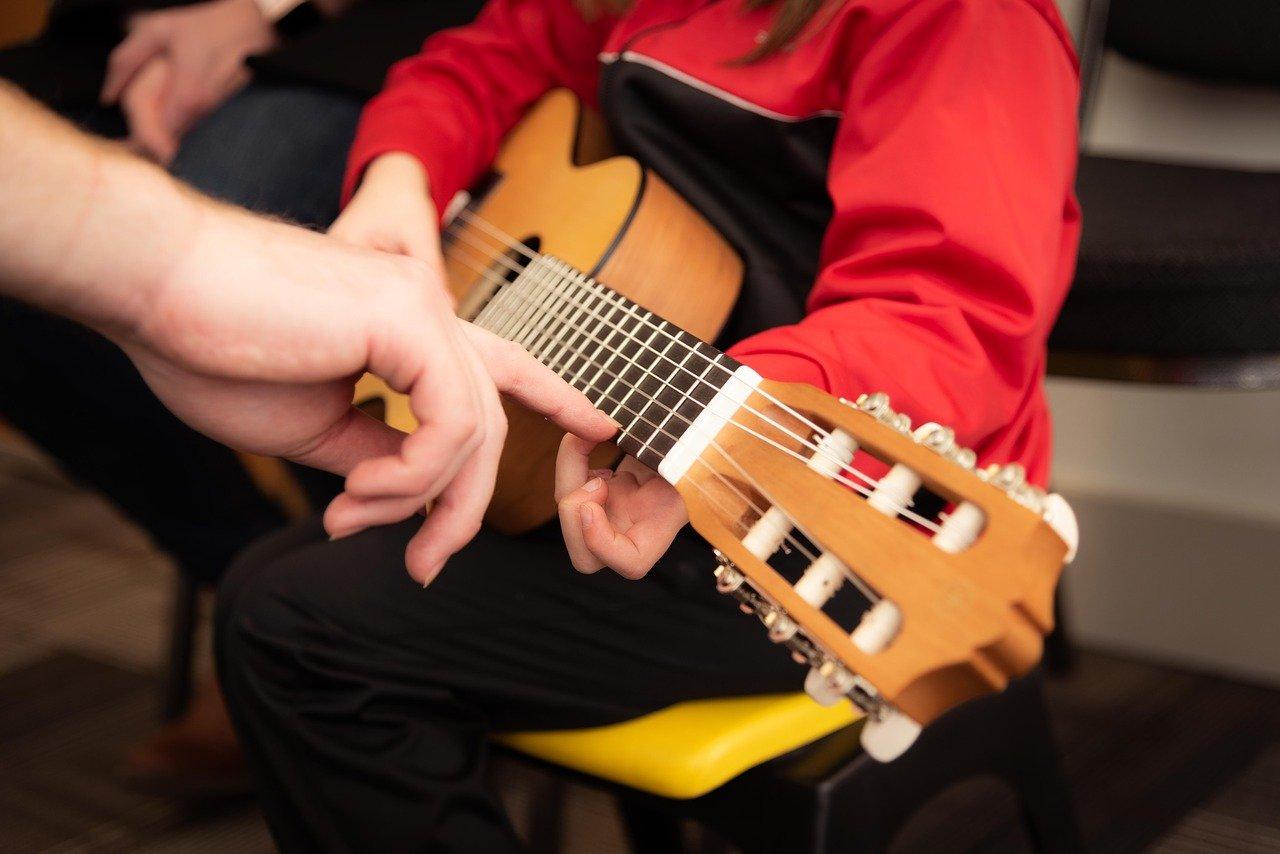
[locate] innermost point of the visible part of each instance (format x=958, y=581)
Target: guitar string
x=511, y=243
x=898, y=507
x=858, y=582
x=512, y=294
x=614, y=305
x=524, y=249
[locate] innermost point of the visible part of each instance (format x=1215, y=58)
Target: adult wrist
x=138, y=206
x=290, y=18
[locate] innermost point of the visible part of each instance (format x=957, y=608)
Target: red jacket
x=898, y=181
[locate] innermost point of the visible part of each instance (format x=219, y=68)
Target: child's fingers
x=571, y=510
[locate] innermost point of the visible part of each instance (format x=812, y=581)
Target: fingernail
x=593, y=484
x=584, y=512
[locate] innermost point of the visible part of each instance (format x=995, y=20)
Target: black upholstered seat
x=1174, y=261
x=1178, y=278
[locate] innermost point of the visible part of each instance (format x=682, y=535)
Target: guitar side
x=610, y=217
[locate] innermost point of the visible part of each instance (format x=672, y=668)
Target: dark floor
x=1160, y=759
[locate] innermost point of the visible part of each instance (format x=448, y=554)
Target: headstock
x=907, y=611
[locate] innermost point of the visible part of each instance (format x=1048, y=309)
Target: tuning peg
x=942, y=440
x=828, y=683
x=879, y=626
x=1009, y=477
x=781, y=627
x=1060, y=516
x=728, y=577
x=935, y=437
x=888, y=733
x=877, y=405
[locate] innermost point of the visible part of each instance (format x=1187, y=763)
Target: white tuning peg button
x=960, y=529
x=828, y=689
x=889, y=736
x=1060, y=516
x=821, y=580
x=879, y=626
x=894, y=492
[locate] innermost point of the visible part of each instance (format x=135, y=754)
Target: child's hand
x=625, y=521
x=392, y=211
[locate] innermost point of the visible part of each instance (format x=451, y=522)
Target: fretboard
x=649, y=375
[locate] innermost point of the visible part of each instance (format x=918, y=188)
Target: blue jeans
x=278, y=150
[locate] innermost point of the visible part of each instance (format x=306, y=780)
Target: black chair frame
x=831, y=796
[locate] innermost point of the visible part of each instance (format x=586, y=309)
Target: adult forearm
x=86, y=229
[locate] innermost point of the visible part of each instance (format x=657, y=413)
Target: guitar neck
x=662, y=385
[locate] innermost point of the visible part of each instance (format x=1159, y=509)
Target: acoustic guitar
x=952, y=602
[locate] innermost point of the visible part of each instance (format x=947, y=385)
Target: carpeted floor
x=1159, y=759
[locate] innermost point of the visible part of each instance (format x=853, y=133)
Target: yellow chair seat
x=688, y=749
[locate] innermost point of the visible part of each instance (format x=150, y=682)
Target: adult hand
x=143, y=106
x=254, y=331
x=256, y=338
x=624, y=520
x=205, y=44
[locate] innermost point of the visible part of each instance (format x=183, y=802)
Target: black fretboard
x=649, y=375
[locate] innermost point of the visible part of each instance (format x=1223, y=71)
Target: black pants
x=364, y=700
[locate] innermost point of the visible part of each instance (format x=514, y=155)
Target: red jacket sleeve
x=451, y=105
x=954, y=229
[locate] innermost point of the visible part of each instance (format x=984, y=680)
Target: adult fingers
x=446, y=396
x=456, y=517
x=353, y=439
x=193, y=91
x=141, y=103
x=141, y=45
x=347, y=515
x=534, y=385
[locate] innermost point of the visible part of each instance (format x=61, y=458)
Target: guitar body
x=563, y=253
x=554, y=189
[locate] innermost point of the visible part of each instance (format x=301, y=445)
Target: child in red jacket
x=897, y=176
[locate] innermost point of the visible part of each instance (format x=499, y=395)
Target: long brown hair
x=792, y=17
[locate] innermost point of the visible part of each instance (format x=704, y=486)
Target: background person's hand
x=143, y=106
x=205, y=44
x=392, y=210
x=624, y=520
x=258, y=333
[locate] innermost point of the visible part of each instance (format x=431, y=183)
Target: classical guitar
x=952, y=602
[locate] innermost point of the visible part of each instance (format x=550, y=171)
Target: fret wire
x=639, y=387
x=746, y=499
x=493, y=314
x=610, y=298
x=602, y=321
x=509, y=299
x=630, y=360
x=500, y=308
x=807, y=442
x=679, y=401
x=530, y=280
x=713, y=360
x=576, y=311
x=577, y=323
x=508, y=295
x=903, y=510
x=608, y=346
x=539, y=288
x=553, y=333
